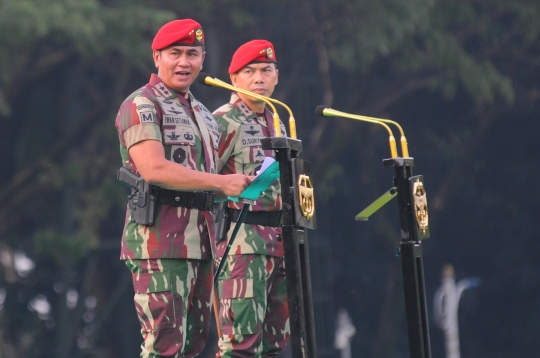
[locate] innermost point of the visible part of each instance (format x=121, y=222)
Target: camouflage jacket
x=155, y=112
x=240, y=151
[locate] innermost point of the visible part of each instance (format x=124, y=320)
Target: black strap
x=202, y=200
x=264, y=218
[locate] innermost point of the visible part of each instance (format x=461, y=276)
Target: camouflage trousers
x=172, y=300
x=253, y=313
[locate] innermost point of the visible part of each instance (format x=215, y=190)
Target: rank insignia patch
x=244, y=109
x=161, y=87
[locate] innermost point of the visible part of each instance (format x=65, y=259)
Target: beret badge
x=269, y=53
x=199, y=35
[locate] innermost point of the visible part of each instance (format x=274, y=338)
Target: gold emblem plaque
x=420, y=205
x=306, y=197
x=198, y=34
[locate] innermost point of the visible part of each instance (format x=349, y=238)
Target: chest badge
x=251, y=131
x=173, y=110
x=173, y=136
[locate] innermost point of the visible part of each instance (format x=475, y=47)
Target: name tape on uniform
x=251, y=134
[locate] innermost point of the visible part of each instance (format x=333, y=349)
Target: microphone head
x=201, y=78
x=319, y=110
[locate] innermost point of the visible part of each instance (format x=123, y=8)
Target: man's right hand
x=234, y=184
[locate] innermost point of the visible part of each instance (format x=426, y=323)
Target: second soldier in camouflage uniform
x=253, y=314
x=171, y=139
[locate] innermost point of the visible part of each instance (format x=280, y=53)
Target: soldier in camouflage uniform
x=170, y=139
x=253, y=314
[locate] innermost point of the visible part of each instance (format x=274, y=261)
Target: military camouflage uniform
x=254, y=314
x=172, y=296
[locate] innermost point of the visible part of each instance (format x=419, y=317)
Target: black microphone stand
x=414, y=227
x=295, y=242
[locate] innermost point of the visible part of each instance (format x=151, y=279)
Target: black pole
x=295, y=243
x=241, y=218
x=411, y=258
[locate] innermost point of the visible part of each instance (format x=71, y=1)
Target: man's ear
x=155, y=56
x=233, y=78
x=277, y=76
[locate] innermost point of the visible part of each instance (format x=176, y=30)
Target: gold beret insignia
x=199, y=34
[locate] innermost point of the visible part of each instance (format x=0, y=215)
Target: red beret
x=182, y=32
x=252, y=51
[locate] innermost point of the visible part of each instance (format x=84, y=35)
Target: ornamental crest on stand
x=420, y=205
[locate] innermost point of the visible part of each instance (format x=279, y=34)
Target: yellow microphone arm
x=209, y=80
x=329, y=112
x=292, y=122
x=403, y=140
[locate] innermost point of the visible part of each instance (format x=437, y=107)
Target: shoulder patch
x=145, y=106
x=146, y=117
x=180, y=154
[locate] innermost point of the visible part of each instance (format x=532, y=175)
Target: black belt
x=264, y=218
x=202, y=200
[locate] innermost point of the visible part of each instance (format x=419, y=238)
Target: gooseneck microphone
x=403, y=140
x=323, y=111
x=206, y=79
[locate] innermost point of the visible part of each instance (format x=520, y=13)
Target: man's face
x=178, y=66
x=260, y=78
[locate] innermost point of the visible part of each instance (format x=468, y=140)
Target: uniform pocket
x=238, y=307
x=154, y=300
